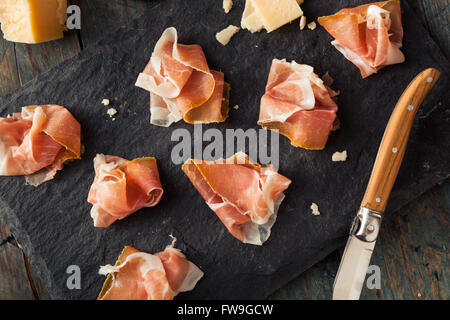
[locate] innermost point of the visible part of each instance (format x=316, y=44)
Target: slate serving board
x=52, y=221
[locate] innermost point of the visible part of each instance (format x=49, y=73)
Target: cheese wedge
x=33, y=21
x=269, y=14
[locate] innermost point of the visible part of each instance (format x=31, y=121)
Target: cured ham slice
x=142, y=276
x=37, y=141
x=244, y=195
x=298, y=104
x=370, y=35
x=181, y=85
x=122, y=187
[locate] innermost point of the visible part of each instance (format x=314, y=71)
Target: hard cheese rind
x=259, y=14
x=33, y=21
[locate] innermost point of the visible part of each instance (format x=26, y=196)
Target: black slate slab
x=52, y=222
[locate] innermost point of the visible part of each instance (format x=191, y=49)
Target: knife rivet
x=378, y=200
x=394, y=149
x=370, y=228
x=429, y=79
x=410, y=107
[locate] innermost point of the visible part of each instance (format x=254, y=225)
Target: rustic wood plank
x=35, y=59
x=35, y=282
x=9, y=76
x=411, y=251
x=14, y=283
x=5, y=234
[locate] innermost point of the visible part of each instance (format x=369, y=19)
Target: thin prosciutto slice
x=122, y=187
x=244, y=195
x=37, y=141
x=181, y=85
x=142, y=276
x=298, y=104
x=370, y=35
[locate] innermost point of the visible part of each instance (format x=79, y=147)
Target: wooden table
x=412, y=249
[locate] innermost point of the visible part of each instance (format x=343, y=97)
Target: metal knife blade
x=356, y=258
x=352, y=271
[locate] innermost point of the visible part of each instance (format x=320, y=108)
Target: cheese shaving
x=111, y=112
x=226, y=34
x=227, y=5
x=302, y=22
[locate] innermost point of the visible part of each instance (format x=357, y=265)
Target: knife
x=366, y=225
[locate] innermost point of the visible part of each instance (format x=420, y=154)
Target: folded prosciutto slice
x=122, y=187
x=370, y=35
x=244, y=195
x=142, y=276
x=37, y=141
x=298, y=104
x=181, y=85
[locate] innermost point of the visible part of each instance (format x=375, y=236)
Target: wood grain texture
x=412, y=247
x=33, y=60
x=9, y=75
x=395, y=140
x=14, y=282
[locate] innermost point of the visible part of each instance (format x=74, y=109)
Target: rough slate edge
x=281, y=277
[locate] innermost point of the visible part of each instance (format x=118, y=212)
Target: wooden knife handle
x=395, y=139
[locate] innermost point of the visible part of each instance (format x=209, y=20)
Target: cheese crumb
x=312, y=25
x=315, y=209
x=226, y=34
x=302, y=22
x=339, y=156
x=236, y=107
x=111, y=112
x=105, y=102
x=227, y=5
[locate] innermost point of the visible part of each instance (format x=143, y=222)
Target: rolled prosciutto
x=122, y=187
x=370, y=36
x=37, y=141
x=181, y=85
